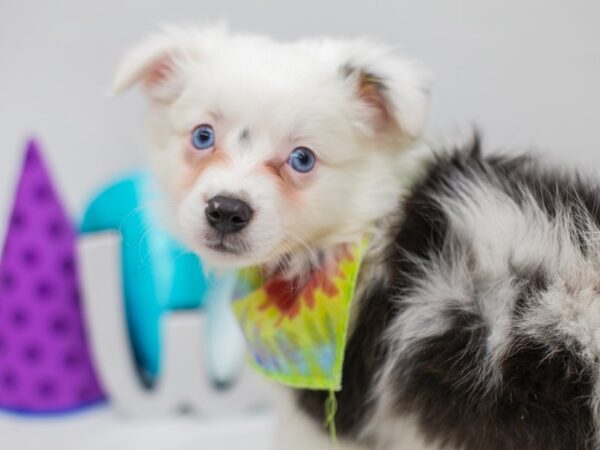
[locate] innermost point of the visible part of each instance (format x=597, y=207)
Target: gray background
x=525, y=71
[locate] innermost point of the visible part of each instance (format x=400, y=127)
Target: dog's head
x=267, y=149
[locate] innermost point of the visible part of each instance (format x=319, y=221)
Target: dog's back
x=485, y=328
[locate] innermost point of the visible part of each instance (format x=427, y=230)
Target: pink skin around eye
x=297, y=179
x=197, y=152
x=193, y=155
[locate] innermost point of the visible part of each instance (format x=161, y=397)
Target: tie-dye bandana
x=296, y=332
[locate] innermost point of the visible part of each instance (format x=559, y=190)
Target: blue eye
x=203, y=137
x=302, y=160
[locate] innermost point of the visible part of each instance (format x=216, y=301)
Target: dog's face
x=267, y=149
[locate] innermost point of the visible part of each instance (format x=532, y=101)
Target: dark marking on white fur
x=245, y=135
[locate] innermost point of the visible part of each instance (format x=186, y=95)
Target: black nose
x=227, y=214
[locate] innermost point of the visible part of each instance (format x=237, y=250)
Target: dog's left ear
x=393, y=93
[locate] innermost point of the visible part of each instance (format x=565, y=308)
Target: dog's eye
x=302, y=160
x=203, y=137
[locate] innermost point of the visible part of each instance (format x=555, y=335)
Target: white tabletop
x=101, y=429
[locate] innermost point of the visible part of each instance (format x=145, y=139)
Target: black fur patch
x=542, y=402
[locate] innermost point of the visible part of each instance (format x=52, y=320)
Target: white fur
x=285, y=95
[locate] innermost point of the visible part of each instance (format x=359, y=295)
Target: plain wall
x=525, y=71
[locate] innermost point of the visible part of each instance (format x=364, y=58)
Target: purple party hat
x=45, y=365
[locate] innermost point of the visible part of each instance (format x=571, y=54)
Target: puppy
x=476, y=322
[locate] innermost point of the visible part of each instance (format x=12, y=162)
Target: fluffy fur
x=263, y=99
x=477, y=318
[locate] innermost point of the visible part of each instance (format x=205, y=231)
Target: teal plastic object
x=159, y=274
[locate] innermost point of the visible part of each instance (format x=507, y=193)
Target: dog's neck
x=309, y=257
x=300, y=264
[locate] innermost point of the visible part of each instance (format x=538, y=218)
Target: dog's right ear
x=155, y=64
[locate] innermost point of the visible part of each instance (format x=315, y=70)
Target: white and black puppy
x=477, y=322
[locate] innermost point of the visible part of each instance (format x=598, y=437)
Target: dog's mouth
x=227, y=245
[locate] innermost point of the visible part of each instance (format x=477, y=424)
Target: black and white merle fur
x=483, y=326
